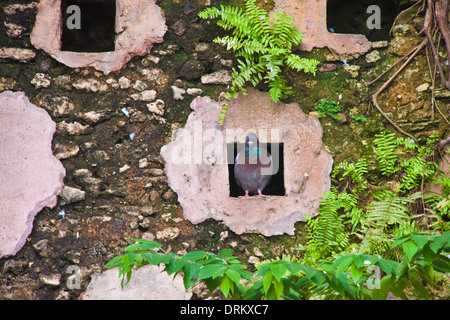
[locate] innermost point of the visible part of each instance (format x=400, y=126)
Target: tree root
x=436, y=17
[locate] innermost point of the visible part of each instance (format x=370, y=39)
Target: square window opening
x=351, y=17
x=276, y=184
x=89, y=29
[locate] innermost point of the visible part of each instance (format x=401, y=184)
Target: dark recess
x=97, y=33
x=276, y=185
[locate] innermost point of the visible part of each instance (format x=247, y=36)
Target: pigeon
x=253, y=167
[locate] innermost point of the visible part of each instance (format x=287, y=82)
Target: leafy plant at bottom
x=222, y=270
x=347, y=277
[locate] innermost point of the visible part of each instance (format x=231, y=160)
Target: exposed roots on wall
x=436, y=25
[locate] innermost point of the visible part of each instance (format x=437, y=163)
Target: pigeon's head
x=251, y=140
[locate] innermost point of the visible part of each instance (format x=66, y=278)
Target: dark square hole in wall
x=96, y=22
x=276, y=184
x=350, y=16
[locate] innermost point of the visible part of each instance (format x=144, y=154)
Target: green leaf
x=226, y=285
x=233, y=275
x=212, y=284
x=211, y=271
x=385, y=286
x=356, y=272
x=116, y=262
x=317, y=276
x=262, y=269
x=152, y=257
x=194, y=255
x=420, y=240
x=267, y=281
x=342, y=263
x=225, y=253
x=387, y=266
x=271, y=294
x=437, y=244
x=293, y=267
x=154, y=243
x=190, y=272
x=278, y=269
x=278, y=286
x=428, y=254
x=410, y=249
x=175, y=265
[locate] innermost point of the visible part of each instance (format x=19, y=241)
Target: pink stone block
x=196, y=164
x=310, y=17
x=30, y=176
x=138, y=25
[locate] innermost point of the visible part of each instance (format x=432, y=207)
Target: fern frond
x=285, y=33
x=259, y=18
x=388, y=210
x=355, y=171
x=264, y=44
x=293, y=61
x=385, y=144
x=277, y=84
x=326, y=231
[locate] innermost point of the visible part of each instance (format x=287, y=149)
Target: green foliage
x=348, y=277
x=386, y=211
x=326, y=233
x=356, y=172
x=391, y=212
x=359, y=117
x=329, y=108
x=264, y=46
x=386, y=143
x=222, y=270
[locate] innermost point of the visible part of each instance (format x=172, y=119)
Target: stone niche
x=198, y=168
x=135, y=26
x=310, y=17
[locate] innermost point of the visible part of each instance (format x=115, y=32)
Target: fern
x=264, y=47
x=326, y=232
x=416, y=170
x=437, y=211
x=385, y=144
x=329, y=108
x=355, y=171
x=388, y=210
x=420, y=168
